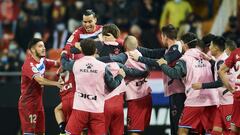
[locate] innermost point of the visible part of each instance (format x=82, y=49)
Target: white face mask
x=37, y=35
x=12, y=46
x=79, y=4
x=58, y=3
x=60, y=27
x=177, y=1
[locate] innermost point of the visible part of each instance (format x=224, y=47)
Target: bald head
x=130, y=43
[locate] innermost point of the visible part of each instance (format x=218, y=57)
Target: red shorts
x=195, y=117
x=114, y=118
x=32, y=121
x=235, y=119
x=81, y=119
x=223, y=117
x=67, y=103
x=139, y=113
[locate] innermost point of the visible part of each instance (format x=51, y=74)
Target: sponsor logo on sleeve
x=70, y=39
x=35, y=70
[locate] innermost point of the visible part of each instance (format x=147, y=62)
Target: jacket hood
x=194, y=52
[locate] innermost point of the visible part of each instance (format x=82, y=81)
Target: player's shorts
x=67, y=104
x=81, y=119
x=114, y=117
x=32, y=121
x=235, y=119
x=193, y=117
x=223, y=116
x=139, y=113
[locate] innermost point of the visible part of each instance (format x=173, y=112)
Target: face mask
x=12, y=46
x=31, y=1
x=177, y=1
x=4, y=59
x=60, y=27
x=58, y=3
x=79, y=4
x=37, y=35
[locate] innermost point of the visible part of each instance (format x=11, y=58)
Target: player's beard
x=39, y=55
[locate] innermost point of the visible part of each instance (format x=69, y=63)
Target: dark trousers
x=176, y=103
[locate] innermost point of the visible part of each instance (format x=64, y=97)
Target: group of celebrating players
x=98, y=72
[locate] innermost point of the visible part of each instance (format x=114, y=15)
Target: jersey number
x=32, y=118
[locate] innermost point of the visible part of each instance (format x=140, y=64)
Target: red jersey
x=234, y=61
x=68, y=77
x=31, y=90
x=80, y=34
x=69, y=83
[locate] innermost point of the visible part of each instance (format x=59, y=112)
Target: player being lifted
x=89, y=29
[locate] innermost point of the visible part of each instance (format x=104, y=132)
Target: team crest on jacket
x=200, y=64
x=228, y=117
x=89, y=69
x=89, y=66
x=34, y=69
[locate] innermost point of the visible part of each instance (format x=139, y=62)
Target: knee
x=217, y=131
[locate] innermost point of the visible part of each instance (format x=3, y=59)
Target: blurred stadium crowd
x=55, y=20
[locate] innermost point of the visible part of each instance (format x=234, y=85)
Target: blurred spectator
x=103, y=8
x=122, y=17
x=174, y=12
x=207, y=39
x=16, y=56
x=30, y=21
x=233, y=32
x=23, y=31
x=58, y=12
x=147, y=20
x=4, y=60
x=59, y=36
x=9, y=12
x=148, y=17
x=11, y=59
x=33, y=9
x=46, y=7
x=136, y=31
x=98, y=6
x=5, y=41
x=230, y=46
x=192, y=24
x=75, y=12
x=109, y=6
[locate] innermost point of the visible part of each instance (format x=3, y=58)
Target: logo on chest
x=87, y=96
x=89, y=69
x=200, y=64
x=38, y=68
